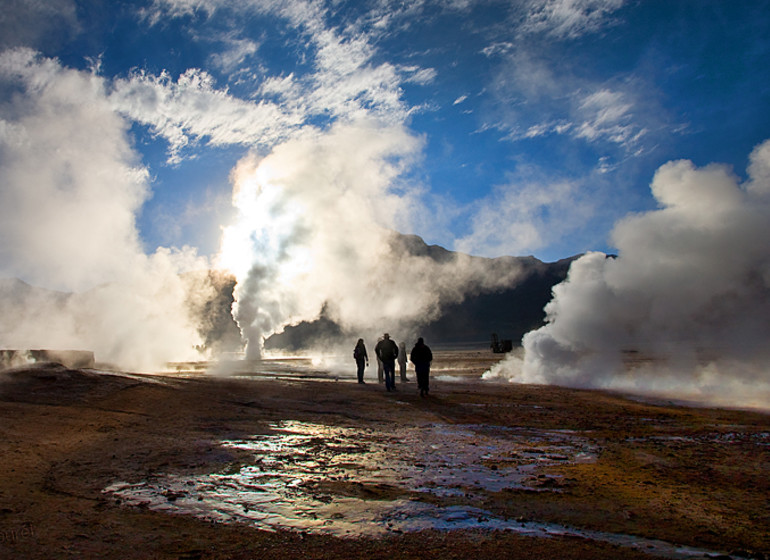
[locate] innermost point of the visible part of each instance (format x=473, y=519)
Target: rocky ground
x=534, y=472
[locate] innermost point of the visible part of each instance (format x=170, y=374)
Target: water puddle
x=351, y=482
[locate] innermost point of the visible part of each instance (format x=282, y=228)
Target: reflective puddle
x=351, y=482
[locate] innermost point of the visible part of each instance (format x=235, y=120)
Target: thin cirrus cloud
x=525, y=214
x=191, y=109
x=344, y=84
x=568, y=104
x=567, y=19
x=237, y=50
x=32, y=23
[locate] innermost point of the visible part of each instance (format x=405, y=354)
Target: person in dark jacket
x=421, y=357
x=361, y=357
x=387, y=352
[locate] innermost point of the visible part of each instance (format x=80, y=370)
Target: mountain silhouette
x=509, y=311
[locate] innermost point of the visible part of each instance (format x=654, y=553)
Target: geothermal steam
x=315, y=233
x=685, y=306
x=71, y=190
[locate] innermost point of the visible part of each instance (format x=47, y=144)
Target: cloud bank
x=685, y=306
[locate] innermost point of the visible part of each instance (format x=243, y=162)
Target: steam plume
x=685, y=306
x=71, y=190
x=315, y=232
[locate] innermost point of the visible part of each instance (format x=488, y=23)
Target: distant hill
x=509, y=311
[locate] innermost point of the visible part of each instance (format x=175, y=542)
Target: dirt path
x=691, y=476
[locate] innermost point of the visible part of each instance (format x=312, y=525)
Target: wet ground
x=294, y=460
x=353, y=482
x=321, y=478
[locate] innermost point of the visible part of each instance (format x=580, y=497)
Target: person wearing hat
x=387, y=351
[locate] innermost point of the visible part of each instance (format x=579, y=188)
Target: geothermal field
x=291, y=458
x=205, y=204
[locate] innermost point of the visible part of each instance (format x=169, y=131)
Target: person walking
x=380, y=373
x=361, y=357
x=387, y=351
x=421, y=357
x=402, y=361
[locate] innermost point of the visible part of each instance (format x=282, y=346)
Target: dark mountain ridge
x=509, y=311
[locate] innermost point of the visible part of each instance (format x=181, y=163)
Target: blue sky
x=538, y=123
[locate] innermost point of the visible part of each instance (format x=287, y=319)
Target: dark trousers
x=423, y=377
x=389, y=368
x=360, y=362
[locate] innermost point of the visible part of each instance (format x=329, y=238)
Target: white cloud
x=525, y=215
x=498, y=48
x=237, y=51
x=191, y=109
x=417, y=75
x=607, y=107
x=608, y=115
x=543, y=129
x=285, y=88
x=759, y=171
x=569, y=18
x=178, y=8
x=344, y=84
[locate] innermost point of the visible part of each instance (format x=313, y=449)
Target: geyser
x=70, y=195
x=315, y=233
x=688, y=296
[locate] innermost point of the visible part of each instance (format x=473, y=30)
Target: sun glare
x=267, y=226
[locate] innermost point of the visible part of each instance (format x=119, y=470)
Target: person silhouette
x=421, y=357
x=387, y=352
x=380, y=373
x=361, y=357
x=402, y=361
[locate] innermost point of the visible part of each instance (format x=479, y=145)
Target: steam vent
x=72, y=359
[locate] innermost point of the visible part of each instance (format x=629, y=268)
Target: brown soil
x=691, y=476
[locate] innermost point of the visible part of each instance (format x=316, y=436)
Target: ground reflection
x=351, y=482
